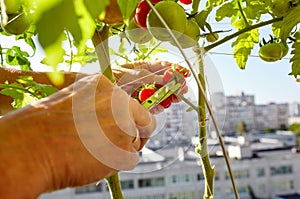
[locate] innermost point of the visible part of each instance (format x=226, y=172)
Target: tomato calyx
x=273, y=50
x=176, y=72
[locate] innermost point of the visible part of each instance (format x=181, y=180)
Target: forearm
x=20, y=176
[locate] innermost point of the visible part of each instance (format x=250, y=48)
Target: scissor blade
x=161, y=94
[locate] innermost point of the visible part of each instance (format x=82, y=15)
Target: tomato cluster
x=177, y=73
x=186, y=31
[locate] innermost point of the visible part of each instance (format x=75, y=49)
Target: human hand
x=131, y=76
x=76, y=136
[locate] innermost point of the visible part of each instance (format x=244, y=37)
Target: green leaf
x=95, y=8
x=56, y=77
x=16, y=57
x=295, y=60
x=201, y=18
x=50, y=26
x=88, y=57
x=27, y=37
x=127, y=7
x=16, y=91
x=243, y=46
x=289, y=22
x=57, y=16
x=40, y=90
x=25, y=91
x=226, y=10
x=255, y=8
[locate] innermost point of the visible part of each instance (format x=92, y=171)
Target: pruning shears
x=161, y=94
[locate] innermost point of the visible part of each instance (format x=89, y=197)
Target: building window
x=151, y=182
x=200, y=177
x=92, y=188
x=262, y=188
x=127, y=184
x=217, y=177
x=281, y=170
x=187, y=177
x=260, y=172
x=238, y=174
x=282, y=186
x=174, y=179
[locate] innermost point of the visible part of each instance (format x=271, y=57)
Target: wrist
x=21, y=177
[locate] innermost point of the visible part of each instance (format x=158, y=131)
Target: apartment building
x=176, y=173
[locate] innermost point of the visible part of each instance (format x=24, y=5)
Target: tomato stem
x=100, y=41
x=195, y=6
x=242, y=13
x=208, y=170
x=248, y=28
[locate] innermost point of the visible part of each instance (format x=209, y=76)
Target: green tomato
x=280, y=7
x=17, y=24
x=191, y=35
x=271, y=52
x=285, y=49
x=13, y=6
x=212, y=37
x=174, y=16
x=137, y=34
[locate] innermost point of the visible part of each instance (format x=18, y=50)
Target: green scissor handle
x=161, y=94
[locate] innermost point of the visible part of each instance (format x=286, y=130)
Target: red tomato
x=141, y=13
x=155, y=1
x=186, y=2
x=145, y=93
x=166, y=103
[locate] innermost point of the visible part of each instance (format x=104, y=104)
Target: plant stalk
x=100, y=41
x=208, y=170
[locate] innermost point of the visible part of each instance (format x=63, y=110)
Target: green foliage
x=16, y=57
x=241, y=128
x=289, y=22
x=295, y=60
x=138, y=51
x=28, y=38
x=295, y=128
x=25, y=91
x=127, y=7
x=226, y=10
x=243, y=46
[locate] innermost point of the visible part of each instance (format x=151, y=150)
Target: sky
x=268, y=81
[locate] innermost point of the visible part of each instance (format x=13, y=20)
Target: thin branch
x=248, y=28
x=195, y=6
x=1, y=55
x=151, y=50
x=188, y=102
x=242, y=13
x=71, y=50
